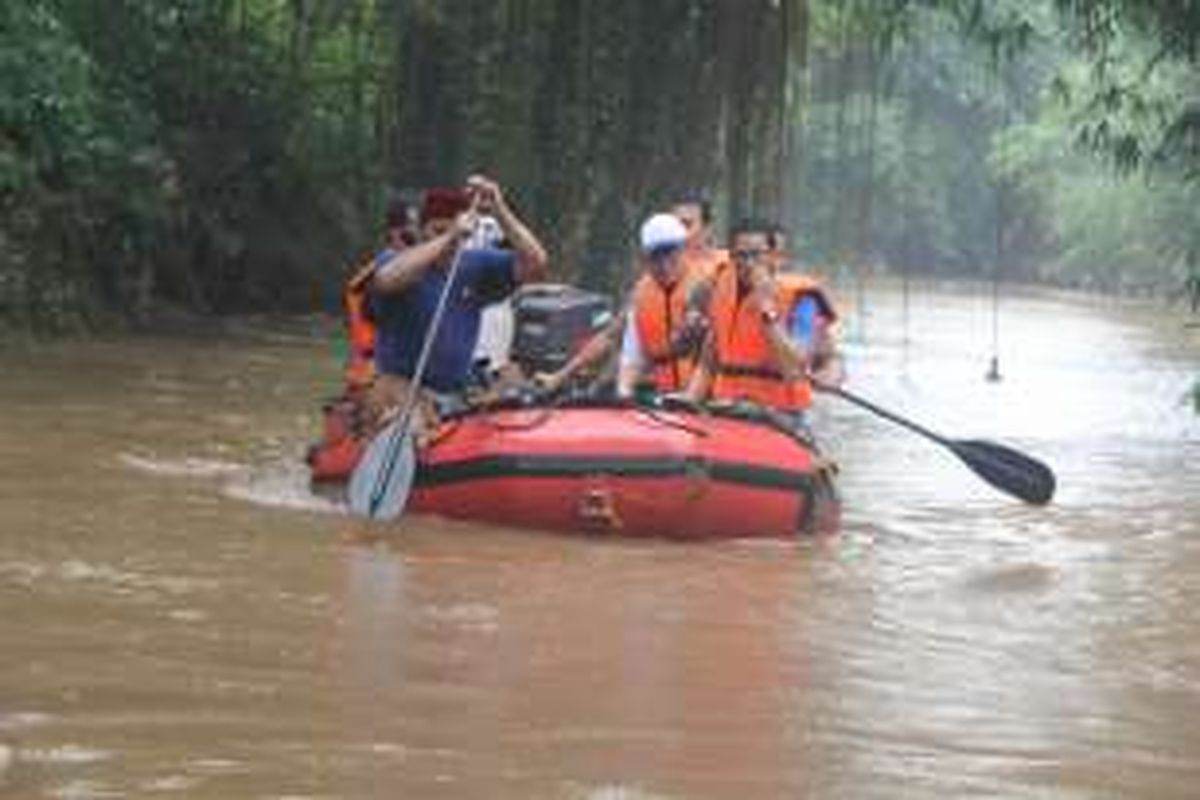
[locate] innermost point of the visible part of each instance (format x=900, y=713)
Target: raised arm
x=407, y=266
x=790, y=356
x=531, y=255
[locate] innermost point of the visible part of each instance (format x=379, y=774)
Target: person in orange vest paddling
x=767, y=329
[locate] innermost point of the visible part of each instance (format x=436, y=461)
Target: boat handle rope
x=657, y=416
x=547, y=410
x=527, y=425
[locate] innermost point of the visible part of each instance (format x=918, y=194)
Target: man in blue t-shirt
x=809, y=322
x=407, y=284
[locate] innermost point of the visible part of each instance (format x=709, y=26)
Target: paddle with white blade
x=381, y=481
x=382, y=478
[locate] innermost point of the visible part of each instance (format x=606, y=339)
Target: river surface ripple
x=182, y=618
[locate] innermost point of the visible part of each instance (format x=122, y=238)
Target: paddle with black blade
x=1003, y=467
x=381, y=481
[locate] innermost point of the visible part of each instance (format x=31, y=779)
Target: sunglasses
x=749, y=256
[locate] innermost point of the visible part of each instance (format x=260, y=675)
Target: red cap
x=443, y=202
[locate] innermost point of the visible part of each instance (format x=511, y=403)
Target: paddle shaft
x=883, y=412
x=410, y=403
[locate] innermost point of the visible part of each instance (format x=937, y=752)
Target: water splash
x=280, y=484
x=188, y=467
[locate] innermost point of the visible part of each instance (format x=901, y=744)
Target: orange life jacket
x=745, y=365
x=360, y=361
x=658, y=314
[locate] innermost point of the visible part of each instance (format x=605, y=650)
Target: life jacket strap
x=749, y=371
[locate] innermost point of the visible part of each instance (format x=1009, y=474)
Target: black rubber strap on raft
x=808, y=509
x=565, y=465
x=749, y=371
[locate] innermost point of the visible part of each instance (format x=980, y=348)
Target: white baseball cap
x=662, y=232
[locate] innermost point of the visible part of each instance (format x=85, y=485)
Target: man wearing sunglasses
x=766, y=328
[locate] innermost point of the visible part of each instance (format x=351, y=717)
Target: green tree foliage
x=239, y=190
x=897, y=127
x=944, y=137
x=75, y=167
x=227, y=155
x=1141, y=103
x=596, y=113
x=233, y=154
x=153, y=153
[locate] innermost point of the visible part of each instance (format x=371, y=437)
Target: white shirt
x=495, y=334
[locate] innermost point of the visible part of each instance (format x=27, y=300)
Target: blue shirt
x=803, y=319
x=402, y=319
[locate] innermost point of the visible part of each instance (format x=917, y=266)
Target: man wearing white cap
x=656, y=311
x=651, y=322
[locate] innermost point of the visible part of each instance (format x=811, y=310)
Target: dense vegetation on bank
x=231, y=155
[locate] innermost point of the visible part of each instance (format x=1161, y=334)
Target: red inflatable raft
x=628, y=471
x=621, y=470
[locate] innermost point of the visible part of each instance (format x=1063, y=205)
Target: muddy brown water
x=180, y=617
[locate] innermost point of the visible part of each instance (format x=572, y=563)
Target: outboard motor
x=552, y=321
